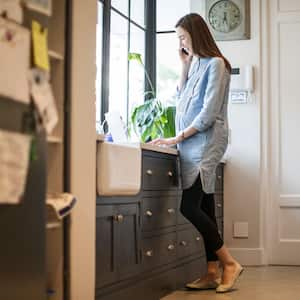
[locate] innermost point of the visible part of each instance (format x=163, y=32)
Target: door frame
x=266, y=193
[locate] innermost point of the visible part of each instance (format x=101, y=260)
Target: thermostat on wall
x=242, y=79
x=241, y=84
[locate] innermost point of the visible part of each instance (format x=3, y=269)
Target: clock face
x=224, y=16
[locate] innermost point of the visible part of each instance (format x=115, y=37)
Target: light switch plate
x=239, y=97
x=240, y=229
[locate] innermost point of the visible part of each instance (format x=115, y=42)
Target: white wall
x=242, y=171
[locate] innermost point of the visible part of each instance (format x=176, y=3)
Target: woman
x=202, y=134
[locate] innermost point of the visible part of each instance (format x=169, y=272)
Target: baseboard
x=248, y=256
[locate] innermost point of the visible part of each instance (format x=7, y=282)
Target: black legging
x=199, y=208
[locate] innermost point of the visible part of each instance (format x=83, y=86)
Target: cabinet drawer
x=189, y=242
x=158, y=213
x=159, y=173
x=219, y=179
x=218, y=205
x=158, y=250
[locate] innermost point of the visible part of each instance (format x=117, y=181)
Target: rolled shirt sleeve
x=213, y=98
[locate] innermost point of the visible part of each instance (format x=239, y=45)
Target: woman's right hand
x=185, y=58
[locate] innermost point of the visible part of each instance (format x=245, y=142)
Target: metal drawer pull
x=198, y=238
x=149, y=253
x=149, y=213
x=119, y=218
x=170, y=174
x=219, y=205
x=171, y=210
x=171, y=247
x=149, y=172
x=219, y=177
x=183, y=243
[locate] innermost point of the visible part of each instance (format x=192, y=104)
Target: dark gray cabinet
x=117, y=243
x=145, y=247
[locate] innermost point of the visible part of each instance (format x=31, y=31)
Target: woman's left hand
x=166, y=142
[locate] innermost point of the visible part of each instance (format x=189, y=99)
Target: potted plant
x=151, y=119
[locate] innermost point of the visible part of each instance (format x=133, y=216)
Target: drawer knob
x=149, y=253
x=149, y=213
x=198, y=238
x=119, y=218
x=219, y=177
x=149, y=172
x=170, y=174
x=171, y=210
x=183, y=243
x=219, y=205
x=171, y=247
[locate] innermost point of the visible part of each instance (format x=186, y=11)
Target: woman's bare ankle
x=231, y=263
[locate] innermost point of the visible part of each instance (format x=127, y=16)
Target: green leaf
x=169, y=128
x=146, y=134
x=135, y=56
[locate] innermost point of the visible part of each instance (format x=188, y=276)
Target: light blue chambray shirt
x=202, y=103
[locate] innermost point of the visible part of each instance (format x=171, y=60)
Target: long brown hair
x=203, y=42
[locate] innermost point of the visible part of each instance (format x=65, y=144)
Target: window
x=121, y=30
x=168, y=64
x=118, y=66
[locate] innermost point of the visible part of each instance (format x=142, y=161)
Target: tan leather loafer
x=224, y=288
x=201, y=284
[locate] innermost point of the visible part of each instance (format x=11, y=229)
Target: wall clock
x=228, y=19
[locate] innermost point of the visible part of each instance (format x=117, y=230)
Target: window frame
x=150, y=48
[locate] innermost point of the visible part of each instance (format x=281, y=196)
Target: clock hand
x=225, y=20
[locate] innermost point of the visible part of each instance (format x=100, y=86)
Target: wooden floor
x=256, y=283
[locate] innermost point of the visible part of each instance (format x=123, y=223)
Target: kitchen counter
x=145, y=146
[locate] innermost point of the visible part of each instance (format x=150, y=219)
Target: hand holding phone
x=184, y=51
x=185, y=55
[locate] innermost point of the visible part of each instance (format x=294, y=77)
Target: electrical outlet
x=240, y=230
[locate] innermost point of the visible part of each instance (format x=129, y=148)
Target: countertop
x=161, y=149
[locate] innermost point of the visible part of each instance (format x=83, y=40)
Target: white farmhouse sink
x=118, y=169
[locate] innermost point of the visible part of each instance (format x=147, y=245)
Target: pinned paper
x=60, y=204
x=14, y=61
x=14, y=162
x=43, y=98
x=42, y=6
x=12, y=10
x=40, y=46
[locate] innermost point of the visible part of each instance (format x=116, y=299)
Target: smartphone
x=184, y=51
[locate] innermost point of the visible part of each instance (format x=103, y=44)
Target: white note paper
x=14, y=61
x=12, y=10
x=14, y=162
x=43, y=98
